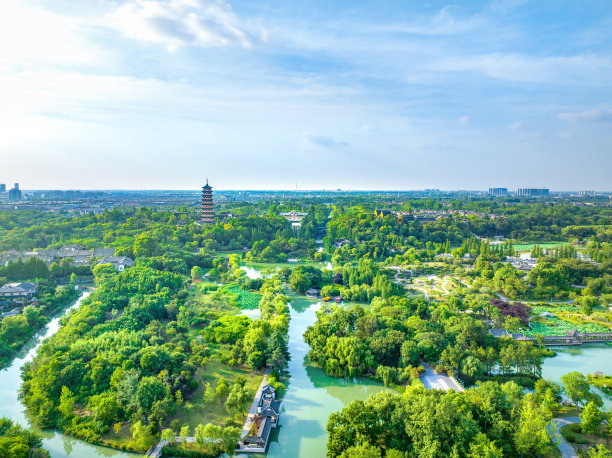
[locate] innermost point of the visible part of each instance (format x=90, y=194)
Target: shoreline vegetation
x=161, y=348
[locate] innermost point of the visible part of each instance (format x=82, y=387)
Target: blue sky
x=269, y=94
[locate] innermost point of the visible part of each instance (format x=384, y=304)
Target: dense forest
x=162, y=342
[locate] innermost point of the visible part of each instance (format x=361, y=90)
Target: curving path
x=567, y=451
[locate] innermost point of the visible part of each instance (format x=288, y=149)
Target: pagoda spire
x=207, y=213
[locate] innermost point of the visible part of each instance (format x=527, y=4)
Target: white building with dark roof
x=18, y=290
x=118, y=262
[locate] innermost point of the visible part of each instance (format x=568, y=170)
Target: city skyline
x=159, y=94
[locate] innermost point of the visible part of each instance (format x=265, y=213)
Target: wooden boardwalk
x=251, y=416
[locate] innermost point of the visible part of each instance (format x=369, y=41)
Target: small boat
x=338, y=300
x=327, y=299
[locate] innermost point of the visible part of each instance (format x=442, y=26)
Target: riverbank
x=311, y=395
x=59, y=445
x=24, y=327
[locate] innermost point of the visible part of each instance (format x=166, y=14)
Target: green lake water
x=586, y=359
x=311, y=395
x=59, y=445
x=310, y=398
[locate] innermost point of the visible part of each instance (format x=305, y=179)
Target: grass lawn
x=214, y=368
x=215, y=413
x=523, y=247
x=574, y=435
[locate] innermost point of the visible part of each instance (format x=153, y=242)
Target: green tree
x=483, y=447
x=168, y=435
x=200, y=436
x=531, y=436
x=149, y=391
x=576, y=387
x=409, y=354
x=184, y=434
x=237, y=397
x=598, y=452
x=229, y=439
x=362, y=450
x=197, y=273
x=222, y=388
x=587, y=304
x=590, y=418
x=145, y=246
x=142, y=435
x=66, y=406
x=212, y=432
x=210, y=395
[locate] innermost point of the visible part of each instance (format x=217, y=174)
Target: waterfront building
x=532, y=192
x=498, y=191
x=208, y=213
x=2, y=188
x=268, y=413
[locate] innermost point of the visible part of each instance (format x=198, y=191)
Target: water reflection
x=59, y=446
x=311, y=395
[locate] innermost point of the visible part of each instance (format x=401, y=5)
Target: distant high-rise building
x=14, y=194
x=2, y=188
x=498, y=191
x=532, y=192
x=208, y=214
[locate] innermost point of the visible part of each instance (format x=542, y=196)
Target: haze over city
x=269, y=95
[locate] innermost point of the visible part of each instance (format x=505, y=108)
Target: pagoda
x=208, y=214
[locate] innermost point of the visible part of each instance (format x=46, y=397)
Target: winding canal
x=59, y=446
x=311, y=395
x=310, y=398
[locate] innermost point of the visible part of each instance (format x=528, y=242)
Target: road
x=433, y=381
x=567, y=451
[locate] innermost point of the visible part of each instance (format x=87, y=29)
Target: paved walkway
x=156, y=451
x=253, y=410
x=433, y=381
x=567, y=451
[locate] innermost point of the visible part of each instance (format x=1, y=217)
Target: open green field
x=195, y=411
x=524, y=247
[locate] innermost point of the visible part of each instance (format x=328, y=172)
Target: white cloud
x=34, y=36
x=205, y=23
x=464, y=120
x=442, y=23
x=587, y=116
x=523, y=68
x=322, y=141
